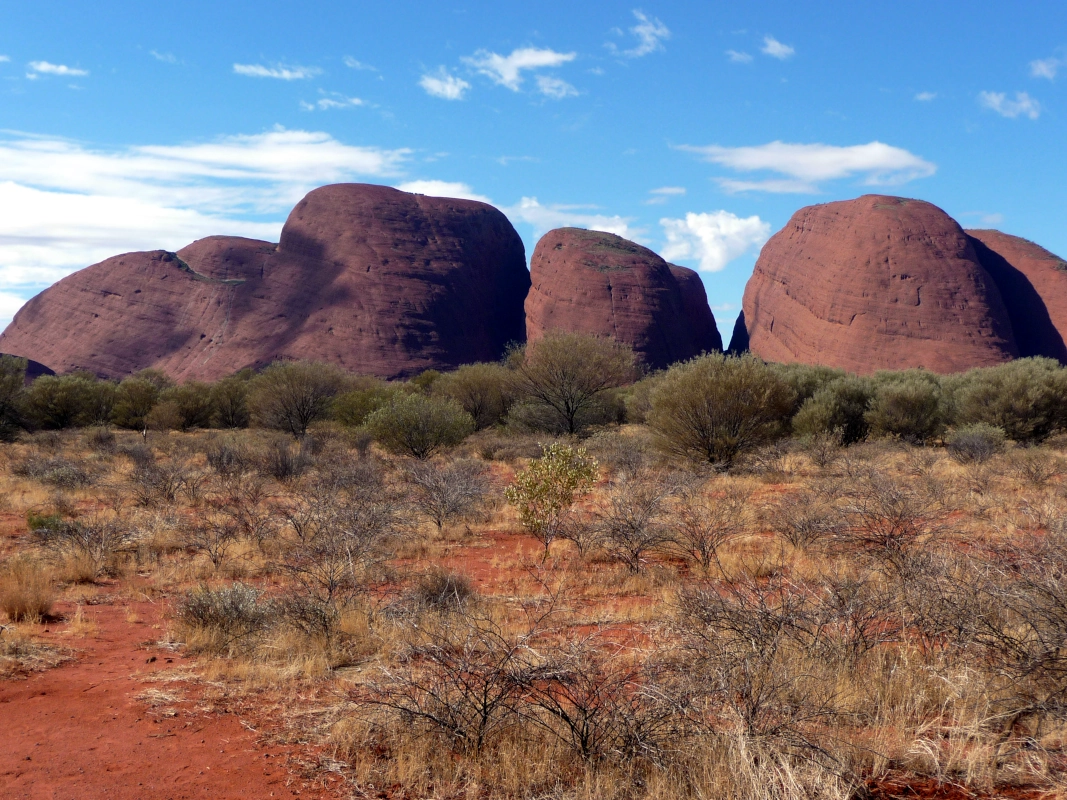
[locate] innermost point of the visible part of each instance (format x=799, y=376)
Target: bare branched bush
x=975, y=444
x=246, y=500
x=285, y=460
x=228, y=459
x=448, y=492
x=803, y=518
x=226, y=620
x=92, y=542
x=633, y=518
x=214, y=536
x=704, y=517
x=443, y=590
x=158, y=483
x=1036, y=467
x=61, y=473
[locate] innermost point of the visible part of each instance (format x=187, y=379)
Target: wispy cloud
x=354, y=64
x=68, y=205
x=556, y=88
x=804, y=165
x=926, y=97
x=331, y=100
x=775, y=49
x=984, y=217
x=48, y=68
x=663, y=194
x=543, y=218
x=739, y=57
x=650, y=33
x=442, y=84
x=435, y=188
x=507, y=70
x=1047, y=67
x=1023, y=105
x=280, y=71
x=4, y=59
x=712, y=239
x=166, y=58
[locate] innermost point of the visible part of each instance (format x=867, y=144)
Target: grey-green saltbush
x=419, y=425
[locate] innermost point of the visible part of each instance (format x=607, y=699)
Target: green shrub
x=134, y=400
x=839, y=409
x=483, y=390
x=352, y=408
x=1027, y=398
x=193, y=403
x=420, y=426
x=12, y=382
x=806, y=379
x=229, y=399
x=907, y=405
x=716, y=406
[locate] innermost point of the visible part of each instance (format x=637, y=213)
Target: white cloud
x=354, y=64
x=775, y=49
x=443, y=189
x=739, y=57
x=712, y=239
x=281, y=72
x=68, y=206
x=926, y=97
x=507, y=70
x=166, y=58
x=5, y=59
x=331, y=100
x=1047, y=67
x=1022, y=105
x=556, y=88
x=771, y=185
x=442, y=84
x=806, y=164
x=46, y=68
x=650, y=33
x=544, y=218
x=664, y=193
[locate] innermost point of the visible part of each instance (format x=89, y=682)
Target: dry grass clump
x=27, y=590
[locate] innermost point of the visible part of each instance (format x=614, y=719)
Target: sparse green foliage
x=193, y=403
x=907, y=405
x=290, y=395
x=838, y=408
x=546, y=490
x=975, y=444
x=12, y=378
x=484, y=391
x=1027, y=398
x=229, y=398
x=134, y=400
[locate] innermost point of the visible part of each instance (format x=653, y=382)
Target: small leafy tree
x=908, y=405
x=134, y=400
x=193, y=403
x=420, y=426
x=484, y=391
x=839, y=408
x=12, y=380
x=545, y=492
x=290, y=395
x=229, y=399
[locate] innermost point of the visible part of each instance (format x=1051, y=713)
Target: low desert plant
x=226, y=619
x=420, y=426
x=448, y=492
x=27, y=590
x=976, y=443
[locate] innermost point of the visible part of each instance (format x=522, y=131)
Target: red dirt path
x=78, y=732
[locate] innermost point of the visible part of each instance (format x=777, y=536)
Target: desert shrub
x=483, y=390
x=140, y=454
x=27, y=590
x=232, y=617
x=632, y=520
x=164, y=416
x=450, y=492
x=838, y=408
x=907, y=405
x=12, y=382
x=704, y=517
x=806, y=379
x=1026, y=398
x=976, y=443
x=158, y=484
x=545, y=491
x=715, y=407
x=566, y=382
x=229, y=399
x=91, y=544
x=803, y=518
x=420, y=426
x=624, y=454
x=424, y=381
x=59, y=472
x=193, y=403
x=443, y=590
x=134, y=400
x=351, y=408
x=54, y=402
x=229, y=458
x=503, y=445
x=213, y=536
x=637, y=398
x=1036, y=466
x=100, y=438
x=290, y=395
x=284, y=460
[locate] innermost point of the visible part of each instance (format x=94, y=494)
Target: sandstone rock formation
x=370, y=278
x=1033, y=283
x=876, y=283
x=599, y=283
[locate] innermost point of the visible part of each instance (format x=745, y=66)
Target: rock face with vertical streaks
x=598, y=283
x=876, y=283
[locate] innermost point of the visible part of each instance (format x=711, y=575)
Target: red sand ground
x=78, y=732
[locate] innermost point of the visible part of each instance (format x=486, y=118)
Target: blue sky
x=696, y=128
